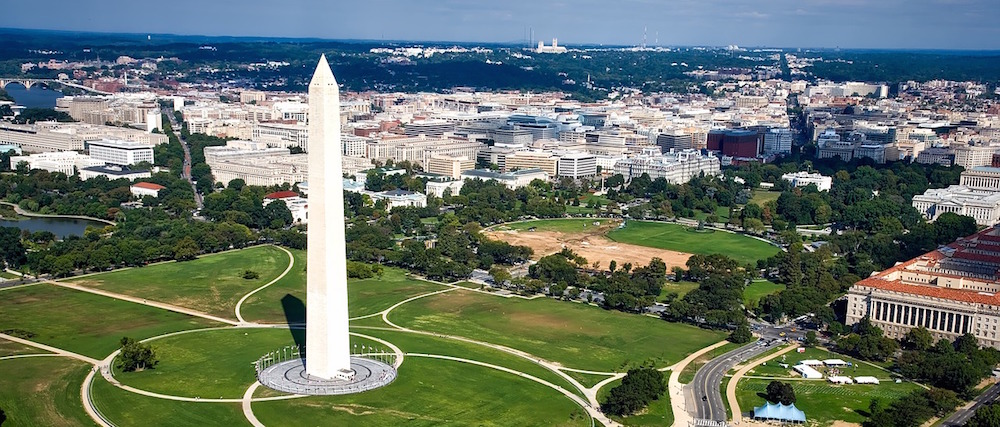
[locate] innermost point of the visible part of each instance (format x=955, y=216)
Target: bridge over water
x=28, y=83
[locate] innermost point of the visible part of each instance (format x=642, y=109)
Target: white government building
x=977, y=195
x=677, y=167
x=118, y=152
x=802, y=179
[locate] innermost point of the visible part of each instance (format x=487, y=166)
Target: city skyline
x=926, y=24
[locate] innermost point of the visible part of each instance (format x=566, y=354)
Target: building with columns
x=977, y=195
x=950, y=291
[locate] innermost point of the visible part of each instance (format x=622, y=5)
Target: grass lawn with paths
x=43, y=391
x=88, y=324
x=575, y=335
x=210, y=284
x=823, y=402
x=125, y=408
x=433, y=393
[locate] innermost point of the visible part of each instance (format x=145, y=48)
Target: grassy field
x=10, y=348
x=575, y=335
x=84, y=323
x=721, y=211
x=129, y=409
x=823, y=402
x=658, y=413
x=364, y=296
x=759, y=289
x=681, y=288
x=210, y=284
x=772, y=369
x=420, y=343
x=687, y=375
x=685, y=239
x=43, y=391
x=433, y=393
x=560, y=225
x=763, y=196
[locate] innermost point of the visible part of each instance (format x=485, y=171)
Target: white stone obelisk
x=328, y=344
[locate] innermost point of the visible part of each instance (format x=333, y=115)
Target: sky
x=904, y=24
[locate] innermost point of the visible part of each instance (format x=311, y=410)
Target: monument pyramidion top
x=323, y=74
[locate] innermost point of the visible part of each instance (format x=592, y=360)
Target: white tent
x=811, y=362
x=836, y=379
x=866, y=380
x=834, y=362
x=807, y=372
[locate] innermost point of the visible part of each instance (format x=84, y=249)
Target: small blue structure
x=779, y=412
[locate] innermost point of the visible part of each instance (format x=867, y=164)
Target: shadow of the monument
x=295, y=316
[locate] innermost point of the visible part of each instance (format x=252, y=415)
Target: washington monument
x=328, y=352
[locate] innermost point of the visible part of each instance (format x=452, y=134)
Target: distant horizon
x=514, y=43
x=829, y=24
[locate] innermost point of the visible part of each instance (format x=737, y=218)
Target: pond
x=61, y=227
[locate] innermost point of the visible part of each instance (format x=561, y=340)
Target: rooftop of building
x=281, y=195
x=148, y=186
x=974, y=258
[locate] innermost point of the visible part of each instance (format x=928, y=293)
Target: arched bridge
x=28, y=83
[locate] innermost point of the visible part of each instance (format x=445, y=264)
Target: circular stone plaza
x=290, y=376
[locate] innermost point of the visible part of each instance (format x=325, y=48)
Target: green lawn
x=587, y=380
x=658, y=413
x=211, y=284
x=434, y=393
x=720, y=211
x=575, y=335
x=10, y=348
x=823, y=402
x=763, y=196
x=364, y=296
x=409, y=342
x=85, y=323
x=772, y=369
x=759, y=289
x=129, y=409
x=681, y=288
x=686, y=239
x=575, y=225
x=43, y=391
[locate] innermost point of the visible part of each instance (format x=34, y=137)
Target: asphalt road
x=708, y=380
x=960, y=417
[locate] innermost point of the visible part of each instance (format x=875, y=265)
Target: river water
x=36, y=97
x=61, y=227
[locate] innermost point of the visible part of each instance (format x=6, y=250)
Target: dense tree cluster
x=245, y=205
x=867, y=342
x=491, y=202
x=718, y=299
x=986, y=416
x=957, y=366
x=912, y=410
x=32, y=115
x=12, y=250
x=639, y=387
x=780, y=392
x=136, y=356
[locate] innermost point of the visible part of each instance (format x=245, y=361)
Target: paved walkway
x=678, y=401
x=291, y=263
x=734, y=405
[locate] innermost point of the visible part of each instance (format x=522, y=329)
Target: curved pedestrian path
x=239, y=304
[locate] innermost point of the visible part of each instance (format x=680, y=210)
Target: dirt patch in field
x=839, y=423
x=592, y=245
